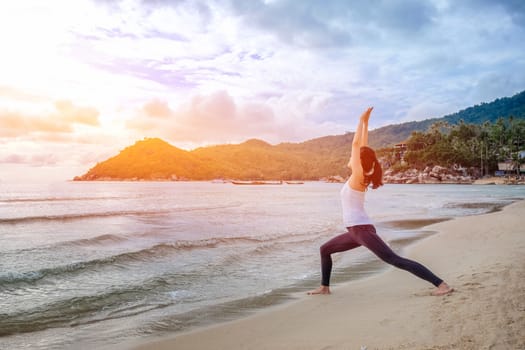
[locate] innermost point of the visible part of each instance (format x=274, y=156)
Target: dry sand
x=482, y=257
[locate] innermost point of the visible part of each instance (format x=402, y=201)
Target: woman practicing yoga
x=366, y=171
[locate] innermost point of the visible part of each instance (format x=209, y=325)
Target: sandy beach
x=482, y=257
x=498, y=180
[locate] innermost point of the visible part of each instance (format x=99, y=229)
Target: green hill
x=155, y=159
x=150, y=159
x=485, y=112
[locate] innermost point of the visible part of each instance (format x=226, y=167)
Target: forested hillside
x=155, y=159
x=485, y=112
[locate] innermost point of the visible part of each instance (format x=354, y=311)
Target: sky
x=81, y=80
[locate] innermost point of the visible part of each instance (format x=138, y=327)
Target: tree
x=468, y=145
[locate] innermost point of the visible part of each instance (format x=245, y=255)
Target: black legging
x=365, y=235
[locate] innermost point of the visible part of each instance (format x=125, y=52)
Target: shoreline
x=392, y=309
x=493, y=180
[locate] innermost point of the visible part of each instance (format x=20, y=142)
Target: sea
x=98, y=265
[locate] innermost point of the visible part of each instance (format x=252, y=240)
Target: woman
x=366, y=171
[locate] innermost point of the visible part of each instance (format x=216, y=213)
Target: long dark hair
x=371, y=167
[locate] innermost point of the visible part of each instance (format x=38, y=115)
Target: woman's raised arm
x=361, y=134
x=360, y=138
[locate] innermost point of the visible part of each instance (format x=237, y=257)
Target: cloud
x=285, y=64
x=60, y=121
x=13, y=93
x=14, y=124
x=73, y=114
x=425, y=110
x=214, y=117
x=395, y=53
x=44, y=159
x=149, y=70
x=301, y=23
x=14, y=159
x=513, y=8
x=218, y=118
x=493, y=83
x=335, y=24
x=40, y=159
x=157, y=109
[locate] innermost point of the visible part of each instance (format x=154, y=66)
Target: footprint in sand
x=472, y=285
x=385, y=322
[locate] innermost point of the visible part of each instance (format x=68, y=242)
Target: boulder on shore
x=429, y=175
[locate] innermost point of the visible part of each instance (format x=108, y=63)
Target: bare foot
x=442, y=289
x=320, y=290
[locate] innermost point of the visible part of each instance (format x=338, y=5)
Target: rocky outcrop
x=430, y=175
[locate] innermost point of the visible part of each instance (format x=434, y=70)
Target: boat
x=257, y=182
x=220, y=181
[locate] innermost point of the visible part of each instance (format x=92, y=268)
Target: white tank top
x=353, y=203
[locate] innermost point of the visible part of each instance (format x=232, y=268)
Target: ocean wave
x=225, y=311
x=14, y=278
x=97, y=240
x=262, y=245
x=31, y=253
x=278, y=245
x=78, y=216
x=74, y=311
x=68, y=217
x=158, y=250
x=56, y=199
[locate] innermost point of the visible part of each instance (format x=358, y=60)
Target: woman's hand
x=366, y=115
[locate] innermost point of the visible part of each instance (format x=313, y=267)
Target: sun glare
x=34, y=46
